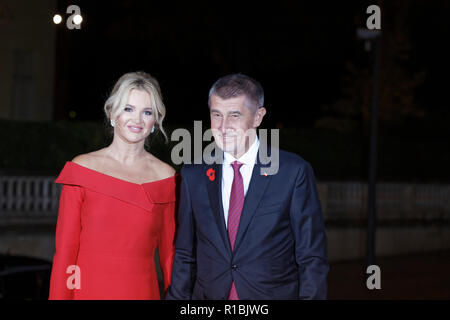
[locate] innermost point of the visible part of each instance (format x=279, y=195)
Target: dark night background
x=298, y=50
x=317, y=76
x=315, y=71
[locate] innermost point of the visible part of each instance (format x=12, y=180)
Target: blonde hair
x=139, y=81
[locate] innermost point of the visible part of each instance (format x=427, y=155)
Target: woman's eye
x=148, y=113
x=128, y=109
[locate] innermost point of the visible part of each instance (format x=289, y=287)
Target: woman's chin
x=134, y=139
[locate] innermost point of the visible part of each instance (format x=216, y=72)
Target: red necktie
x=234, y=213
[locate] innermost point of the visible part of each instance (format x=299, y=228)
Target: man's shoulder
x=290, y=156
x=287, y=160
x=292, y=159
x=193, y=169
x=293, y=165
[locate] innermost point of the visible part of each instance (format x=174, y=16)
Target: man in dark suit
x=242, y=233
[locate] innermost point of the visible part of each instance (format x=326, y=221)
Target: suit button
x=234, y=267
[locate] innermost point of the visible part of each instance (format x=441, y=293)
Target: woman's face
x=136, y=120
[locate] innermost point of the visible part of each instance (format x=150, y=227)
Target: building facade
x=27, y=59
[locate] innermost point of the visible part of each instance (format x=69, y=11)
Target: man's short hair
x=235, y=85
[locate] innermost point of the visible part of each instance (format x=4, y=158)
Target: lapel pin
x=211, y=173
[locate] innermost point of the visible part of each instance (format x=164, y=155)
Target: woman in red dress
x=117, y=206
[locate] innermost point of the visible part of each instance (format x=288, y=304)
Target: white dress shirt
x=248, y=160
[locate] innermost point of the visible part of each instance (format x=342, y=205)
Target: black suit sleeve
x=310, y=238
x=185, y=264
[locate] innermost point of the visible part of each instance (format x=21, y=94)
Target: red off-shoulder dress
x=109, y=228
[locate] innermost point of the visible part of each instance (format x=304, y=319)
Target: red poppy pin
x=211, y=173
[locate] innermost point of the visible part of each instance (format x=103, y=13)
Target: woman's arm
x=67, y=240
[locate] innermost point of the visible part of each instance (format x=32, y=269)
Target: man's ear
x=259, y=115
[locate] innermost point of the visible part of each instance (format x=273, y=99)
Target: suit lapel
x=255, y=192
x=215, y=198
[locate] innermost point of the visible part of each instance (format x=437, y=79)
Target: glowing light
x=77, y=19
x=57, y=19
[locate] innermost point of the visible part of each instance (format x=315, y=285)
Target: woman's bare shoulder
x=163, y=169
x=89, y=160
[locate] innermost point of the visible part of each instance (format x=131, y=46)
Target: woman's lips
x=135, y=129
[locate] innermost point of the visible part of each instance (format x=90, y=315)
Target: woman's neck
x=126, y=153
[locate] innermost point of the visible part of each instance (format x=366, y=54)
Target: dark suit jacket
x=280, y=250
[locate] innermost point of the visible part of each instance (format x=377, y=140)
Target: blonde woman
x=117, y=205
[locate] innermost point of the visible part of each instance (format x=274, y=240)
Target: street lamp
x=57, y=19
x=77, y=19
x=372, y=37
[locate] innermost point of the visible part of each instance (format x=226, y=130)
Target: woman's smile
x=135, y=129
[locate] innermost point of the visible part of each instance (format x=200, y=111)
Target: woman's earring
x=153, y=129
x=113, y=123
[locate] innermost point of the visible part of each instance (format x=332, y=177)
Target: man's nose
x=224, y=126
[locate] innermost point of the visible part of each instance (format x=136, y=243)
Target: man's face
x=233, y=124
